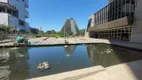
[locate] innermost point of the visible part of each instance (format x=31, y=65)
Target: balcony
x=26, y=3
x=12, y=21
x=8, y=19
x=26, y=14
x=4, y=1
x=4, y=4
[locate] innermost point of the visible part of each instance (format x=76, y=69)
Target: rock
x=43, y=66
x=65, y=46
x=68, y=55
x=4, y=73
x=4, y=67
x=40, y=66
x=1, y=59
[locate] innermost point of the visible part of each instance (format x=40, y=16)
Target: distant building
x=34, y=30
x=70, y=26
x=120, y=20
x=40, y=29
x=14, y=13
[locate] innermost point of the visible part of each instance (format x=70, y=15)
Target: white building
x=14, y=13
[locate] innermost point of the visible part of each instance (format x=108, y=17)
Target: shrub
x=38, y=35
x=56, y=36
x=33, y=36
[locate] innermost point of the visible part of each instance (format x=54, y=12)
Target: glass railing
x=26, y=13
x=26, y=3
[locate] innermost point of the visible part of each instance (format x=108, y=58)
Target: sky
x=52, y=14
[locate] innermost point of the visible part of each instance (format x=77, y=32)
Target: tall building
x=14, y=13
x=120, y=20
x=70, y=26
x=110, y=1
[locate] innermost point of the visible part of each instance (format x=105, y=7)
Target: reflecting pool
x=21, y=63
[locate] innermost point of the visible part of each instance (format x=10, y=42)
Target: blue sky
x=52, y=14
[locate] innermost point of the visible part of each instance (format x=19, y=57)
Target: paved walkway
x=77, y=40
x=80, y=40
x=126, y=71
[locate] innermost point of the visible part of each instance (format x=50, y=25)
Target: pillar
x=136, y=35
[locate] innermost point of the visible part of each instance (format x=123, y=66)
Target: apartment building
x=120, y=20
x=14, y=13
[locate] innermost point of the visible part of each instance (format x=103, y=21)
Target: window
x=22, y=23
x=1, y=9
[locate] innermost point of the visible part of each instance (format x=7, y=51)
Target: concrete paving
x=84, y=40
x=79, y=40
x=126, y=71
x=72, y=75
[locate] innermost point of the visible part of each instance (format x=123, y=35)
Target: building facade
x=70, y=26
x=120, y=20
x=14, y=13
x=110, y=1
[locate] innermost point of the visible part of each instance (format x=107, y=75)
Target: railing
x=26, y=14
x=10, y=37
x=26, y=3
x=13, y=21
x=4, y=1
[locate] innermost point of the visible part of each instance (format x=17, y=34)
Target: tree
x=61, y=33
x=40, y=32
x=6, y=28
x=3, y=27
x=82, y=32
x=49, y=32
x=34, y=30
x=53, y=31
x=11, y=29
x=22, y=31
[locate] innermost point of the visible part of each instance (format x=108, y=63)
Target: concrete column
x=93, y=20
x=136, y=35
x=5, y=9
x=11, y=12
x=110, y=1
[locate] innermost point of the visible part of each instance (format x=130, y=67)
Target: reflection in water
x=21, y=63
x=70, y=49
x=107, y=55
x=16, y=63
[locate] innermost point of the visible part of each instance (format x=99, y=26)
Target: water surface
x=21, y=63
